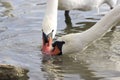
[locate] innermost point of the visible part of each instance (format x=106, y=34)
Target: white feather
x=84, y=5
x=50, y=18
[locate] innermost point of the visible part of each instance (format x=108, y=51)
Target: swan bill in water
x=47, y=42
x=51, y=49
x=55, y=49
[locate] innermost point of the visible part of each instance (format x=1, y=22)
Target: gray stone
x=9, y=72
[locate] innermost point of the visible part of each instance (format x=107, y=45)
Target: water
x=20, y=42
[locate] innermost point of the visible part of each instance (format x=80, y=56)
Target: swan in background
x=83, y=5
x=49, y=25
x=77, y=42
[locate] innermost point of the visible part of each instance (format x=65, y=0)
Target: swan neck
x=52, y=6
x=111, y=19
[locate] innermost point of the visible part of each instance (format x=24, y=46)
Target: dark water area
x=20, y=42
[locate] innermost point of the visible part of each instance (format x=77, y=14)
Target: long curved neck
x=50, y=18
x=51, y=9
x=102, y=26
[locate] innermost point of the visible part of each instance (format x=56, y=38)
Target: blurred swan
x=49, y=25
x=77, y=42
x=83, y=5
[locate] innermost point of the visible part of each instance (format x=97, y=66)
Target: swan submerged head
x=57, y=47
x=47, y=42
x=51, y=49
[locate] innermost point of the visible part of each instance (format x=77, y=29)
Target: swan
x=77, y=42
x=83, y=5
x=49, y=24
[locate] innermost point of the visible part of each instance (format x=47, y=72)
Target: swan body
x=76, y=42
x=84, y=5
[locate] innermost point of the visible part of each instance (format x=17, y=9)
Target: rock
x=9, y=72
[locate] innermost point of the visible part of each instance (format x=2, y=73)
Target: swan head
x=53, y=49
x=57, y=48
x=47, y=42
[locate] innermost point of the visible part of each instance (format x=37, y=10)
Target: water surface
x=20, y=42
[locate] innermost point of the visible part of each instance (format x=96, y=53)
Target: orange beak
x=51, y=49
x=55, y=51
x=57, y=48
x=47, y=44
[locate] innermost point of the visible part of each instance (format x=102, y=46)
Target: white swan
x=50, y=18
x=76, y=42
x=49, y=25
x=83, y=5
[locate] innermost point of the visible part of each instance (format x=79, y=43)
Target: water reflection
x=5, y=12
x=82, y=25
x=50, y=67
x=68, y=20
x=65, y=67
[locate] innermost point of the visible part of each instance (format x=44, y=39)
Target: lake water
x=20, y=42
